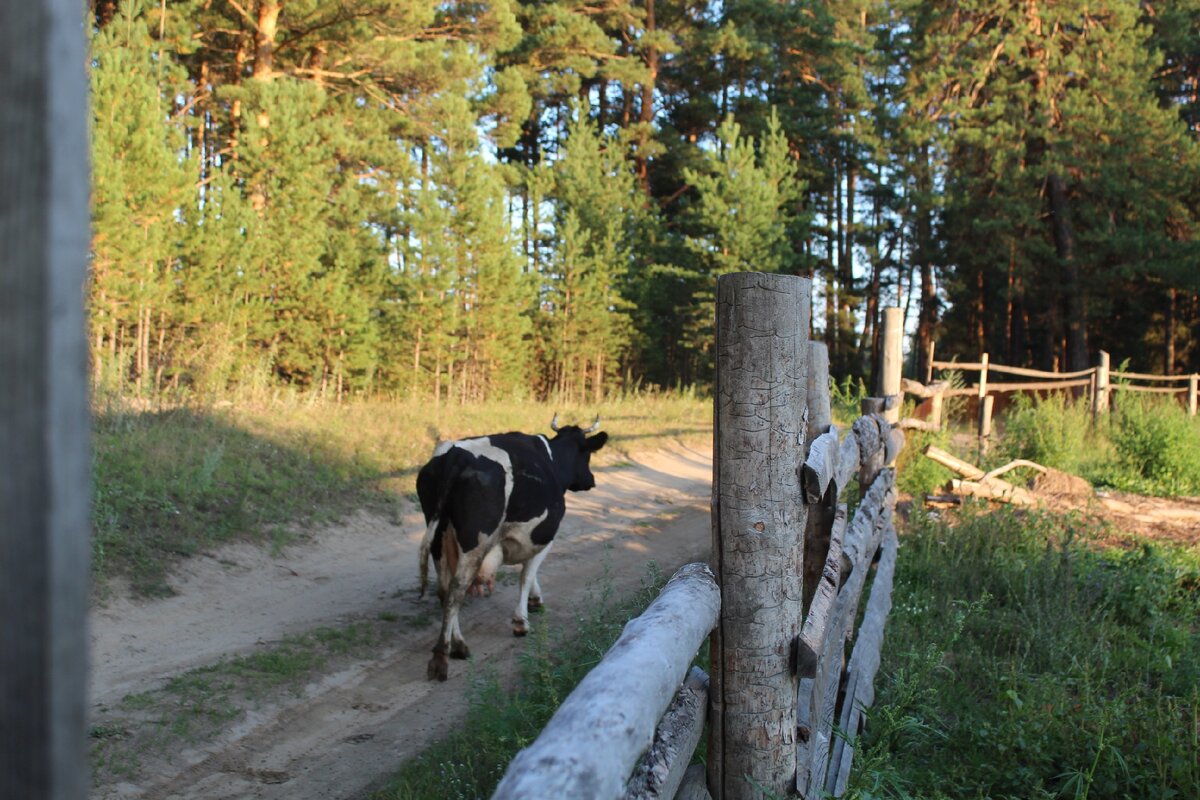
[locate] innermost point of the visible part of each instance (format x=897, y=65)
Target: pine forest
x=461, y=201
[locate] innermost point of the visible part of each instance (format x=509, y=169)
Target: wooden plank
x=965, y=366
x=1146, y=376
x=921, y=390
x=590, y=745
x=869, y=431
x=1039, y=373
x=847, y=461
x=997, y=387
x=45, y=490
x=812, y=635
x=759, y=512
x=816, y=697
x=820, y=468
x=964, y=468
x=994, y=489
x=694, y=786
x=659, y=772
x=863, y=666
x=893, y=444
x=1129, y=387
x=817, y=479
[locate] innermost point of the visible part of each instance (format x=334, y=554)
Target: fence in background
x=1096, y=383
x=789, y=572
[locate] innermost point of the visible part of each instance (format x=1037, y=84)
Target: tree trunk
x=646, y=114
x=264, y=38
x=1064, y=246
x=1169, y=333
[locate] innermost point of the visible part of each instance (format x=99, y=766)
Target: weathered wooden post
x=985, y=406
x=1193, y=381
x=892, y=358
x=44, y=492
x=929, y=365
x=759, y=519
x=1100, y=402
x=820, y=514
x=985, y=422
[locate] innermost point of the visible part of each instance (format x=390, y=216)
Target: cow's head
x=573, y=449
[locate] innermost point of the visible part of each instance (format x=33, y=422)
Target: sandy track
x=349, y=729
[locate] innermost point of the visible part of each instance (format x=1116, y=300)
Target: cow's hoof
x=439, y=669
x=535, y=605
x=459, y=650
x=520, y=627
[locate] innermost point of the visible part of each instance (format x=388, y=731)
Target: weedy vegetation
x=1022, y=661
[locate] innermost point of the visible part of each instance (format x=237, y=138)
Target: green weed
x=1024, y=662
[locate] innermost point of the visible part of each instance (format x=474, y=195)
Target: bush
x=1053, y=431
x=1157, y=448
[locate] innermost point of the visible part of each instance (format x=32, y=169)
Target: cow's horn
x=554, y=423
x=595, y=425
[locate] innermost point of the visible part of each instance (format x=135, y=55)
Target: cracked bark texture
x=759, y=519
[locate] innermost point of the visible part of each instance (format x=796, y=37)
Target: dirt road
x=350, y=727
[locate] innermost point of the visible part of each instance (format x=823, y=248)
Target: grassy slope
x=171, y=483
x=1023, y=662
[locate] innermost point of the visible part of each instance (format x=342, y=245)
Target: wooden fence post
x=983, y=377
x=1101, y=400
x=929, y=365
x=985, y=422
x=1193, y=381
x=758, y=519
x=45, y=489
x=892, y=358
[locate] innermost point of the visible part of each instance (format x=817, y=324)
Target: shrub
x=1053, y=431
x=1157, y=448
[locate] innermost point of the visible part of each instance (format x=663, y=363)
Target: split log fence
x=789, y=572
x=1097, y=383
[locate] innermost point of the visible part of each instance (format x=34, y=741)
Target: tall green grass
x=1020, y=663
x=172, y=482
x=1145, y=445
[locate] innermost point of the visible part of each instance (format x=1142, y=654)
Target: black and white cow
x=491, y=500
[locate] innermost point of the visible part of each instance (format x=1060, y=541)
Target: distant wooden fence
x=781, y=599
x=1098, y=383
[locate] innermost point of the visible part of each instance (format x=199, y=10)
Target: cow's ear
x=596, y=442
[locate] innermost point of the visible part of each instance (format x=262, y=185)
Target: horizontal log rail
x=591, y=745
x=1143, y=376
x=1129, y=387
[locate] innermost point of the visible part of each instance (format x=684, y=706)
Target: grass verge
x=1023, y=662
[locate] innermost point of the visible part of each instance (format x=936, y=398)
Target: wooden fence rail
x=779, y=632
x=1097, y=379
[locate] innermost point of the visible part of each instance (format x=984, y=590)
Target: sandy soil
x=347, y=730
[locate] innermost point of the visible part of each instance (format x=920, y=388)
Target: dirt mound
x=1056, y=484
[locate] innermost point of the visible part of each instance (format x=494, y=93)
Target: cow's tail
x=426, y=544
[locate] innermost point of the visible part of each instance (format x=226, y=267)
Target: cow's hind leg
x=528, y=582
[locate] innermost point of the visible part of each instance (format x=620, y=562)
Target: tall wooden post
x=892, y=358
x=985, y=423
x=44, y=461
x=983, y=377
x=929, y=365
x=1100, y=402
x=1193, y=380
x=759, y=519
